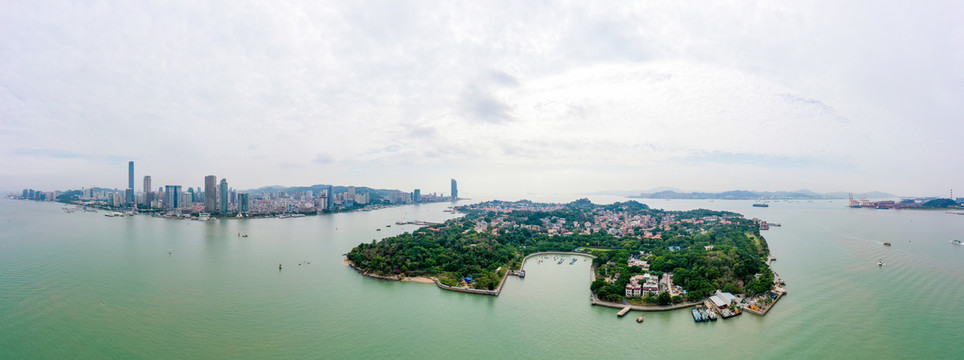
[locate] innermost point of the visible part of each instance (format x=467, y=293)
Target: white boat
x=956, y=242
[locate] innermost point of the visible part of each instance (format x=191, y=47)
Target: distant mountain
x=318, y=188
x=635, y=192
x=758, y=195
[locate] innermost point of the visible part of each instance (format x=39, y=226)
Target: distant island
x=757, y=195
x=641, y=256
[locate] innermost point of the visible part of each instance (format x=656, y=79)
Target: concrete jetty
x=623, y=311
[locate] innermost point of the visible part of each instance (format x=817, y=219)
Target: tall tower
x=173, y=196
x=148, y=196
x=417, y=196
x=224, y=196
x=331, y=197
x=455, y=190
x=210, y=193
x=130, y=184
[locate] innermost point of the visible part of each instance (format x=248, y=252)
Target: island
x=642, y=258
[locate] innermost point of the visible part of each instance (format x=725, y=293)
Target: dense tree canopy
x=723, y=252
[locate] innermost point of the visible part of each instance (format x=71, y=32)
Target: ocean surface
x=82, y=285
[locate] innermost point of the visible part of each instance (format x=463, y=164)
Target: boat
x=880, y=262
x=560, y=262
x=696, y=315
x=712, y=315
x=886, y=244
x=640, y=319
x=573, y=261
x=956, y=242
x=761, y=205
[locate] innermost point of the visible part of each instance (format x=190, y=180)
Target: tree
x=663, y=298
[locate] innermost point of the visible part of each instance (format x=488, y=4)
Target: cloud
x=323, y=159
x=674, y=87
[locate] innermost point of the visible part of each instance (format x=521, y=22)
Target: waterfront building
x=323, y=201
x=243, y=203
x=417, y=196
x=224, y=196
x=210, y=194
x=455, y=190
x=351, y=193
x=331, y=198
x=148, y=196
x=173, y=196
x=130, y=182
x=129, y=197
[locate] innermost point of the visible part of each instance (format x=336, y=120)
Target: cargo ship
x=761, y=205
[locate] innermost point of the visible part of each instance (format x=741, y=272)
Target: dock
x=623, y=311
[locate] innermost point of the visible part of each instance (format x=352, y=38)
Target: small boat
x=886, y=244
x=956, y=242
x=880, y=262
x=640, y=319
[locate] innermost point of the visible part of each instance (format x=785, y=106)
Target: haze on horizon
x=504, y=96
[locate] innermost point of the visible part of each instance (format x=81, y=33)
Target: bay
x=82, y=285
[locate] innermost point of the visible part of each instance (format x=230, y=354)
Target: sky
x=507, y=97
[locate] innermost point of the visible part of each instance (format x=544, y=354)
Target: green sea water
x=82, y=285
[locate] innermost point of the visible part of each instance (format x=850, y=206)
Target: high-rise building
x=243, y=205
x=130, y=183
x=210, y=194
x=351, y=193
x=417, y=196
x=455, y=190
x=172, y=196
x=331, y=197
x=148, y=196
x=130, y=174
x=224, y=196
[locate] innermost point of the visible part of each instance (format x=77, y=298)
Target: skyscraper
x=243, y=205
x=331, y=197
x=224, y=196
x=173, y=196
x=455, y=190
x=130, y=183
x=148, y=196
x=210, y=193
x=417, y=196
x=130, y=174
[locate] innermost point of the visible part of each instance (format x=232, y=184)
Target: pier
x=623, y=311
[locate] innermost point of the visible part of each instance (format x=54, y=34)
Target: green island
x=640, y=256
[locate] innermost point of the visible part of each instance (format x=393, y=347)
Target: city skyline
x=510, y=98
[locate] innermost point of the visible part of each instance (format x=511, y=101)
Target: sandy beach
x=419, y=279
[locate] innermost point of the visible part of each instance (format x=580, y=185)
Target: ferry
x=761, y=205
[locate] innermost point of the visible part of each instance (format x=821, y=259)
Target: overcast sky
x=508, y=97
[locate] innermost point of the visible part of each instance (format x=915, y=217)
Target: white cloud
x=568, y=96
